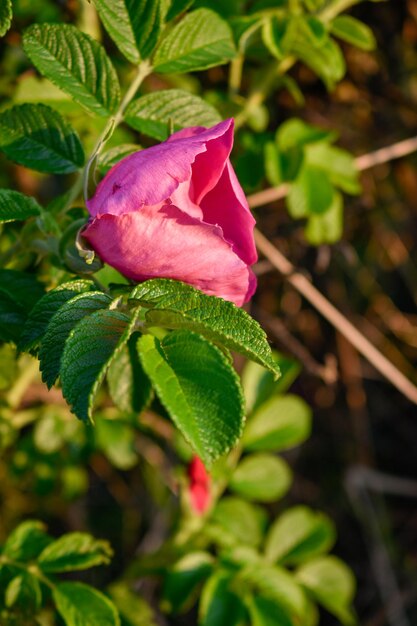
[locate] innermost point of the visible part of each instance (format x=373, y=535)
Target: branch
x=332, y=315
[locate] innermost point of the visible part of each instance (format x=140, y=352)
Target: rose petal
x=164, y=242
x=226, y=206
x=209, y=165
x=150, y=176
x=181, y=197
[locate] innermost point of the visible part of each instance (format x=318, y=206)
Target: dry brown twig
x=303, y=285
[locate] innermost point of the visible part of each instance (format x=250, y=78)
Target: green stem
x=144, y=70
x=335, y=8
x=294, y=6
x=31, y=568
x=235, y=74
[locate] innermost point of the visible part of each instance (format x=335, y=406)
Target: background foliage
x=301, y=83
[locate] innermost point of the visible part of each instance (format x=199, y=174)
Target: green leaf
x=183, y=581
x=36, y=136
x=280, y=423
x=299, y=534
x=133, y=609
x=332, y=584
x=76, y=63
x=273, y=31
x=240, y=555
x=152, y=114
x=12, y=318
x=353, y=31
x=117, y=440
x=307, y=39
x=74, y=551
x=22, y=287
x=243, y=522
x=129, y=387
x=134, y=25
x=273, y=165
x=23, y=591
x=277, y=584
x=177, y=7
x=15, y=206
x=259, y=384
x=27, y=541
x=295, y=133
x=219, y=605
x=19, y=292
x=311, y=193
x=174, y=304
x=6, y=14
x=109, y=158
x=337, y=163
x=201, y=40
x=81, y=605
x=326, y=227
x=261, y=477
x=60, y=327
x=198, y=387
x=45, y=308
x=243, y=27
x=88, y=352
x=266, y=612
x=49, y=434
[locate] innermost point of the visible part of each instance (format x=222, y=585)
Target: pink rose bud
x=177, y=210
x=199, y=487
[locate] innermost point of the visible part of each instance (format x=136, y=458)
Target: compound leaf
x=174, y=304
x=76, y=63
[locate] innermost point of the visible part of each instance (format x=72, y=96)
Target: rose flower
x=176, y=210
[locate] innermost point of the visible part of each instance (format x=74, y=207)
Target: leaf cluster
x=304, y=157
x=244, y=567
x=30, y=562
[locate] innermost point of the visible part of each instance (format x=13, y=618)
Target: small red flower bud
x=199, y=486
